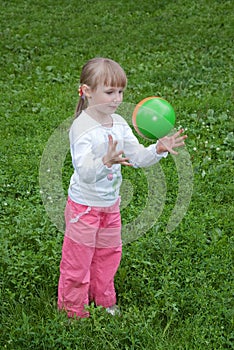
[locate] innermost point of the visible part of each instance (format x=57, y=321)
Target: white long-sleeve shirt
x=93, y=183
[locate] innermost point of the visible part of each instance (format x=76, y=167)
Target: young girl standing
x=100, y=142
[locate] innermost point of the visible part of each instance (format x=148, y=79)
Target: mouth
x=115, y=105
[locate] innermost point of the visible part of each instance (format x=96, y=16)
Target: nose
x=117, y=97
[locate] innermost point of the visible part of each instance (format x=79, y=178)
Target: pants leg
x=77, y=254
x=74, y=278
x=106, y=260
x=103, y=269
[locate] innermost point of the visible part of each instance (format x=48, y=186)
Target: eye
x=109, y=92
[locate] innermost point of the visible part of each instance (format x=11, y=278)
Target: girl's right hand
x=168, y=143
x=114, y=157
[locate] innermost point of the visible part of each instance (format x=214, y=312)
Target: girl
x=100, y=142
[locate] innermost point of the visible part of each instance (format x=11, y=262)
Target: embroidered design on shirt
x=110, y=177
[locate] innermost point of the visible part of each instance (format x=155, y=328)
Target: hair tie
x=81, y=93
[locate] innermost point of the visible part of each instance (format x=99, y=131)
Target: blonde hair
x=100, y=71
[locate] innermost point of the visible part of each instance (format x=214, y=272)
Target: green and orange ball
x=153, y=118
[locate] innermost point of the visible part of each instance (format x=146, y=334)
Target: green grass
x=175, y=289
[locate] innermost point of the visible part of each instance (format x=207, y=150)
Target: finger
x=172, y=151
x=112, y=144
x=119, y=154
x=179, y=132
x=125, y=161
x=182, y=138
x=180, y=144
x=122, y=160
x=127, y=164
x=115, y=145
x=110, y=138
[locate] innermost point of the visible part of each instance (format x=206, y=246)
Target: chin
x=113, y=109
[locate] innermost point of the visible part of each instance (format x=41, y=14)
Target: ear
x=86, y=90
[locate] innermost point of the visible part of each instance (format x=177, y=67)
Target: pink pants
x=91, y=255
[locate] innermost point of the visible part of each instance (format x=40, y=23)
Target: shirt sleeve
x=139, y=155
x=88, y=166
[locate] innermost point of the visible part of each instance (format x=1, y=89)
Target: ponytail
x=82, y=104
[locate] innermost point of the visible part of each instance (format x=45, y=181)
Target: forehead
x=111, y=87
x=103, y=88
x=110, y=76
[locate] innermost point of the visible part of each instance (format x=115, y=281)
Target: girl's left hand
x=113, y=156
x=168, y=143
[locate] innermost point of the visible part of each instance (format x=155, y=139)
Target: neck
x=104, y=119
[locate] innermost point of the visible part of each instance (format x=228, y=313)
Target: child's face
x=105, y=99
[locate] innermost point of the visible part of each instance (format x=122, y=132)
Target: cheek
x=107, y=99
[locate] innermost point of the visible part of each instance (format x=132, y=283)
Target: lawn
x=175, y=283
